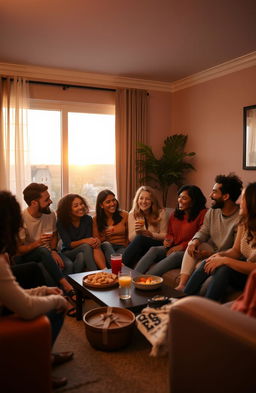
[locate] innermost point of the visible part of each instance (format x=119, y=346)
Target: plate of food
x=147, y=282
x=100, y=280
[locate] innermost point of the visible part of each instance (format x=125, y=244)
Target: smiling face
x=217, y=197
x=78, y=208
x=109, y=205
x=144, y=201
x=184, y=201
x=44, y=203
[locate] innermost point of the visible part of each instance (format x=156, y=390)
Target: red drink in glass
x=116, y=263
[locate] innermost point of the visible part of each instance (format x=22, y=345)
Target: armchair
x=212, y=348
x=25, y=348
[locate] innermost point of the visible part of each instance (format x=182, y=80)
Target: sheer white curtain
x=14, y=152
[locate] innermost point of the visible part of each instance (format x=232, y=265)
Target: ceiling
x=160, y=40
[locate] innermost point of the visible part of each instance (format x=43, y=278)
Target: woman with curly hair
x=227, y=267
x=183, y=224
x=110, y=224
x=147, y=224
x=74, y=225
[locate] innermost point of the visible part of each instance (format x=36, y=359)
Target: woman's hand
x=167, y=243
x=54, y=291
x=213, y=263
x=147, y=233
x=94, y=242
x=174, y=249
x=109, y=230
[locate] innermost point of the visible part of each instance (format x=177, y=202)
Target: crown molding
x=59, y=75
x=218, y=71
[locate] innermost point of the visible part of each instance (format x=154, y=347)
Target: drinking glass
x=125, y=283
x=116, y=263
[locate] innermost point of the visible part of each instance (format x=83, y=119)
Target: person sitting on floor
x=110, y=224
x=183, y=224
x=27, y=303
x=147, y=225
x=74, y=225
x=226, y=267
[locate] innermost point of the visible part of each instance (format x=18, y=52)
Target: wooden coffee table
x=110, y=297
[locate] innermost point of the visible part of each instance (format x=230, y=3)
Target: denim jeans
x=43, y=255
x=137, y=248
x=157, y=263
x=111, y=248
x=82, y=258
x=222, y=277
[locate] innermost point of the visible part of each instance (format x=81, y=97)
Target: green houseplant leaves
x=168, y=169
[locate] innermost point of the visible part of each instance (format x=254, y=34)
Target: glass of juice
x=116, y=263
x=125, y=283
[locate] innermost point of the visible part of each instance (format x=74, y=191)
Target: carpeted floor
x=130, y=370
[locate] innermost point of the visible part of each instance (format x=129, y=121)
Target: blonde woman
x=147, y=225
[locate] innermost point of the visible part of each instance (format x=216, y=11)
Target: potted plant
x=168, y=169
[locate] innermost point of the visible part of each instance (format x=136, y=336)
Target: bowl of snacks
x=147, y=282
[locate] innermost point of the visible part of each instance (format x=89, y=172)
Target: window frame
x=65, y=107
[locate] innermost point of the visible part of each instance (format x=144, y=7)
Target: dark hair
x=10, y=222
x=250, y=219
x=33, y=191
x=231, y=185
x=101, y=217
x=65, y=207
x=198, y=202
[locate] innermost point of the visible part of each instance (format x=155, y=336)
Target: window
x=72, y=148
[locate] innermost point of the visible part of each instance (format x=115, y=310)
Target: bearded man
x=219, y=227
x=38, y=237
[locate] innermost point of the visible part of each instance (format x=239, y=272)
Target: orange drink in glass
x=125, y=282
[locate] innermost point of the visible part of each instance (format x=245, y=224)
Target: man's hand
x=58, y=259
x=193, y=249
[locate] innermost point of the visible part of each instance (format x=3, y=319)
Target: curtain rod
x=66, y=86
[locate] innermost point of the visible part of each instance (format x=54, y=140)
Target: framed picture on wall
x=249, y=136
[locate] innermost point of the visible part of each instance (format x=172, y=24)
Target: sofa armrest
x=25, y=360
x=212, y=348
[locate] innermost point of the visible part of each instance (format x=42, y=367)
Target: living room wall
x=211, y=113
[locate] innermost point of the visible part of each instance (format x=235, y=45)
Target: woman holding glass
x=147, y=225
x=110, y=224
x=74, y=225
x=184, y=222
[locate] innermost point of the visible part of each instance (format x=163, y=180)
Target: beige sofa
x=212, y=348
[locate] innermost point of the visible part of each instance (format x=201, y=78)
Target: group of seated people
x=220, y=240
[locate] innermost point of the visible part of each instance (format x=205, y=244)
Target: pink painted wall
x=211, y=113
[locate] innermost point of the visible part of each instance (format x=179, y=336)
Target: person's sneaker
x=61, y=357
x=57, y=382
